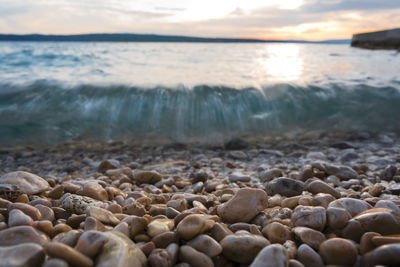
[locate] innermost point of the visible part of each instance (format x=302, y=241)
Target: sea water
x=51, y=92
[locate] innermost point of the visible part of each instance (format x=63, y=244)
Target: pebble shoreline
x=315, y=200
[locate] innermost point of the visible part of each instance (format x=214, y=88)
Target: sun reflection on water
x=282, y=62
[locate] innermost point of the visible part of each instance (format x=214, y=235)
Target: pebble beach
x=315, y=199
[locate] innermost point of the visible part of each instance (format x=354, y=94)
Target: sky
x=264, y=19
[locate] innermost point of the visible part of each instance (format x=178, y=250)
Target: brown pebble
x=72, y=256
x=160, y=258
x=56, y=192
x=29, y=210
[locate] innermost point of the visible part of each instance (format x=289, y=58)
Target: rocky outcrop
x=388, y=39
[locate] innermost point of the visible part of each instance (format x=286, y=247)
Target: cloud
x=314, y=19
x=322, y=6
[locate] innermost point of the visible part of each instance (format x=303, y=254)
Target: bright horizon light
x=273, y=19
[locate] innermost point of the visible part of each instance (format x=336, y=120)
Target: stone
x=242, y=248
x=338, y=251
x=277, y=232
x=268, y=175
x=376, y=190
x=56, y=192
x=28, y=254
x=285, y=187
x=147, y=177
x=65, y=252
x=164, y=239
x=123, y=227
x=108, y=164
x=219, y=231
x=69, y=238
x=384, y=240
x=21, y=234
x=160, y=258
x=309, y=236
x=17, y=218
x=295, y=263
x=27, y=209
x=194, y=257
x=272, y=256
x=44, y=226
x=317, y=186
x=322, y=199
x=388, y=173
x=102, y=215
x=120, y=251
x=46, y=212
x=27, y=182
x=137, y=224
x=90, y=243
x=389, y=205
x=178, y=204
x=93, y=224
x=192, y=225
x=236, y=144
x=337, y=217
x=159, y=226
x=366, y=244
x=291, y=248
x=353, y=230
x=379, y=220
x=239, y=177
x=78, y=204
x=60, y=228
x=95, y=191
x=387, y=255
x=312, y=217
x=307, y=256
x=342, y=172
x=243, y=206
x=55, y=263
x=206, y=244
x=173, y=250
x=352, y=205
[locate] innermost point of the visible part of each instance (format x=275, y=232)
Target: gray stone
x=28, y=254
x=285, y=187
x=27, y=182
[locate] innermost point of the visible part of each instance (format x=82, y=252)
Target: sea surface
x=52, y=92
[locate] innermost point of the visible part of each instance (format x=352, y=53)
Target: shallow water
x=183, y=92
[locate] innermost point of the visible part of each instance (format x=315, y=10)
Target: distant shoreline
x=122, y=37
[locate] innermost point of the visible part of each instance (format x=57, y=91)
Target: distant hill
x=128, y=37
x=388, y=39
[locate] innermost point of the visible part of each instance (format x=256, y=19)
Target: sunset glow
x=274, y=19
